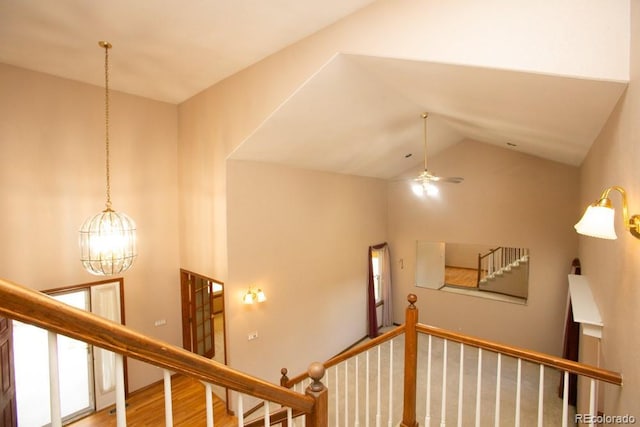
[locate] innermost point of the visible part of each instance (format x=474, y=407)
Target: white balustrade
x=427, y=417
x=54, y=380
x=498, y=388
x=390, y=410
x=443, y=409
x=168, y=408
x=479, y=388
x=518, y=391
x=541, y=397
x=208, y=404
x=460, y=385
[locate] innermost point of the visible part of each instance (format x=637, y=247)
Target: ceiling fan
x=423, y=183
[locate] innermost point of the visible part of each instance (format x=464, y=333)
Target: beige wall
x=52, y=178
x=613, y=267
x=302, y=237
x=48, y=134
x=507, y=198
x=216, y=121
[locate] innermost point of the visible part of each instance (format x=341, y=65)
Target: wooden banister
x=410, y=364
x=530, y=355
x=319, y=416
x=30, y=306
x=354, y=351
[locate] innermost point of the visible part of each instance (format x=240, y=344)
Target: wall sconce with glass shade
x=108, y=239
x=254, y=296
x=598, y=218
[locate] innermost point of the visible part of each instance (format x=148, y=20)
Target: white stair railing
x=515, y=404
x=500, y=260
x=513, y=386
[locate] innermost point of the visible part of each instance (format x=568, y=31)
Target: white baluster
x=289, y=417
x=443, y=409
x=326, y=379
x=209, y=404
x=592, y=401
x=427, y=417
x=541, y=396
x=366, y=399
x=337, y=398
x=267, y=415
x=479, y=387
x=168, y=406
x=378, y=398
x=240, y=411
x=498, y=380
x=518, y=387
x=356, y=422
x=565, y=399
x=460, y=385
x=54, y=381
x=390, y=421
x=121, y=407
x=346, y=392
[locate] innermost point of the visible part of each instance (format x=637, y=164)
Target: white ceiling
x=357, y=115
x=166, y=50
x=361, y=115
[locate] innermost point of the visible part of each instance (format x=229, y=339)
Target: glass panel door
x=32, y=370
x=203, y=326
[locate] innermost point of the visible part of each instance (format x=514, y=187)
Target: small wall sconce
x=597, y=220
x=254, y=296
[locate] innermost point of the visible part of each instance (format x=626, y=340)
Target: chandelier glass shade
x=108, y=243
x=108, y=239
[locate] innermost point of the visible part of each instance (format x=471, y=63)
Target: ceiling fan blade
x=451, y=179
x=426, y=176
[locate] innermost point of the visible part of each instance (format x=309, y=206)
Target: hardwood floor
x=146, y=407
x=458, y=276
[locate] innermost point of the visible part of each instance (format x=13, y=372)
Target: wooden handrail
x=354, y=351
x=33, y=307
x=530, y=355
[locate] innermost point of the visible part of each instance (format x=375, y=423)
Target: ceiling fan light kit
x=423, y=184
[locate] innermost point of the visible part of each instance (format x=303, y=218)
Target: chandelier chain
x=107, y=46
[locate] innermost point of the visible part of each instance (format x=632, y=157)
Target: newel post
x=410, y=364
x=320, y=415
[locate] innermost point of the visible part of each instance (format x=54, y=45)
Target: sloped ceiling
x=165, y=50
x=361, y=115
x=357, y=115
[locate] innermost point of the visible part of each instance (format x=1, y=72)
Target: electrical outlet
x=252, y=335
x=160, y=322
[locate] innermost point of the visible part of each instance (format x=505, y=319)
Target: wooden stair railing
x=411, y=328
x=555, y=362
x=35, y=308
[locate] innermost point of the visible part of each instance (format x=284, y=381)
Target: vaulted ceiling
x=357, y=115
x=361, y=115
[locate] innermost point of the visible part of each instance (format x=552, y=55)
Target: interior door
x=198, y=313
x=7, y=381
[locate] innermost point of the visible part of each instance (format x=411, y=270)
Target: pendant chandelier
x=108, y=239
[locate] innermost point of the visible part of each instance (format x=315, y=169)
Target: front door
x=7, y=381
